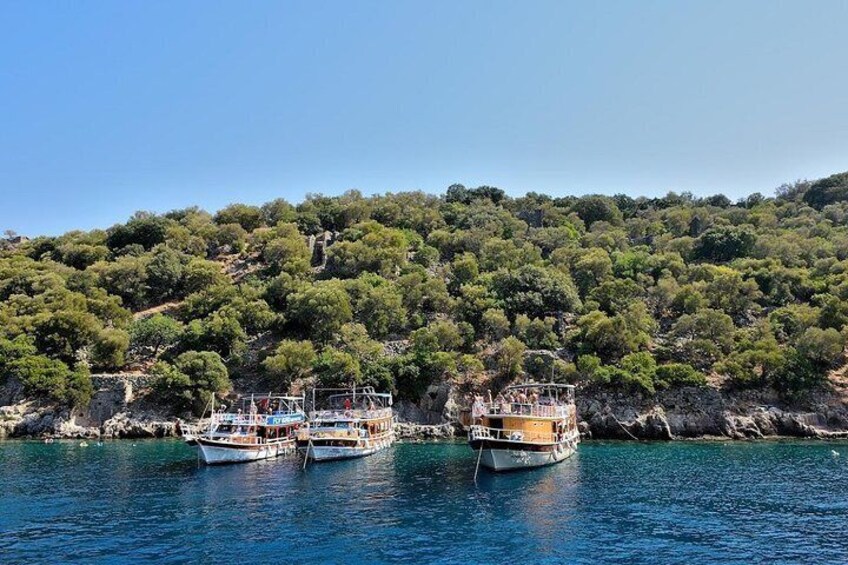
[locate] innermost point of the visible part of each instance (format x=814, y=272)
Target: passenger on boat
x=478, y=408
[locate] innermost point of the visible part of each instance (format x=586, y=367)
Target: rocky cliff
x=709, y=412
x=684, y=413
x=121, y=408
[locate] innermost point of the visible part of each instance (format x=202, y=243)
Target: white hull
x=509, y=459
x=216, y=454
x=331, y=453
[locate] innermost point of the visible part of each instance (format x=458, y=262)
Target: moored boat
x=528, y=425
x=264, y=427
x=347, y=423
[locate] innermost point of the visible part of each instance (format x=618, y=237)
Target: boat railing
x=242, y=419
x=351, y=414
x=243, y=439
x=521, y=409
x=477, y=432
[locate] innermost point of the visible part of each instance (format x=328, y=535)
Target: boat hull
x=334, y=453
x=508, y=458
x=219, y=453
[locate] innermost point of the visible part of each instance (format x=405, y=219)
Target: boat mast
x=212, y=416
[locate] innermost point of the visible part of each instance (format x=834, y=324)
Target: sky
x=111, y=107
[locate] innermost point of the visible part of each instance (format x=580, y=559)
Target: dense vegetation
x=635, y=294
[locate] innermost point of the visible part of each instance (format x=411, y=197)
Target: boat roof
x=346, y=394
x=540, y=385
x=349, y=391
x=268, y=396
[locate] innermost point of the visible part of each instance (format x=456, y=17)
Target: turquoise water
x=764, y=502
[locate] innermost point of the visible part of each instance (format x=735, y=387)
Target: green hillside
x=403, y=290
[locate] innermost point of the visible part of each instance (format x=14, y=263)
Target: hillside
x=472, y=288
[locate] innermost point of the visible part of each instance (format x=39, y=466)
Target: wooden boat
x=262, y=428
x=347, y=423
x=528, y=425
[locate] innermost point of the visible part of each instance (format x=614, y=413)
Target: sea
x=612, y=502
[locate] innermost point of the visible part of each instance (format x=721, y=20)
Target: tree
x=336, y=369
x=155, y=333
x=590, y=269
x=510, y=357
x=797, y=376
x=596, y=208
x=320, y=309
x=192, y=380
x=368, y=246
x=144, y=229
x=63, y=333
x=353, y=339
x=230, y=237
x=495, y=324
x=13, y=349
x=612, y=337
x=678, y=375
x=278, y=210
x=823, y=348
x=535, y=291
x=42, y=376
x=426, y=256
x=291, y=360
x=377, y=304
x=288, y=251
x=442, y=335
x=827, y=191
x=724, y=243
x=110, y=348
x=125, y=277
x=540, y=334
x=707, y=324
x=464, y=269
x=165, y=272
x=221, y=332
x=201, y=274
x=248, y=217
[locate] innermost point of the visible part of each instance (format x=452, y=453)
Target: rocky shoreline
x=31, y=420
x=682, y=414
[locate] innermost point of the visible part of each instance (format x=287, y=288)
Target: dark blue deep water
x=770, y=502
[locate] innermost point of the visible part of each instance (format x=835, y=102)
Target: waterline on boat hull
x=509, y=459
x=334, y=453
x=214, y=453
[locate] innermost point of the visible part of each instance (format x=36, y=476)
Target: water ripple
x=771, y=502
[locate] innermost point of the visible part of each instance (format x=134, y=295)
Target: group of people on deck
x=513, y=402
x=363, y=403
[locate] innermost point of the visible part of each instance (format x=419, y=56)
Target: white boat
x=347, y=423
x=263, y=428
x=528, y=425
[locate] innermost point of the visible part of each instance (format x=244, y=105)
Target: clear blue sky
x=111, y=107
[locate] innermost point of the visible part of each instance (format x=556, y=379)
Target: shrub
x=679, y=374
x=42, y=376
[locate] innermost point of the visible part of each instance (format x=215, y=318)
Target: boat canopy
x=268, y=403
x=556, y=391
x=355, y=397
